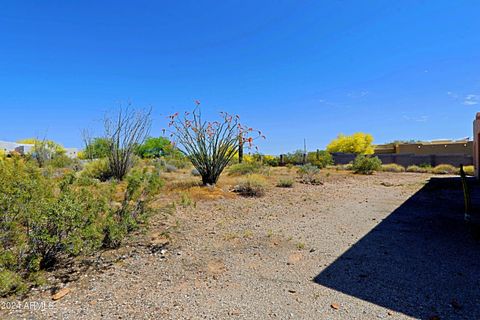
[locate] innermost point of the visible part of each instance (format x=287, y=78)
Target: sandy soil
x=352, y=248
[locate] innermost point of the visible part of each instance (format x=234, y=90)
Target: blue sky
x=294, y=69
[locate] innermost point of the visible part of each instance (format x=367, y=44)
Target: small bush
x=10, y=283
x=179, y=163
x=348, y=167
x=308, y=173
x=60, y=161
x=320, y=158
x=244, y=168
x=425, y=165
x=445, y=169
x=366, y=165
x=271, y=161
x=170, y=168
x=253, y=185
x=469, y=170
x=417, y=169
x=142, y=185
x=97, y=169
x=293, y=158
x=392, y=167
x=285, y=183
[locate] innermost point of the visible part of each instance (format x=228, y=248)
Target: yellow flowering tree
x=358, y=143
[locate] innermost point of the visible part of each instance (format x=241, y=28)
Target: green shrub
x=10, y=283
x=98, y=169
x=392, y=167
x=253, y=185
x=179, y=163
x=293, y=158
x=45, y=219
x=60, y=161
x=66, y=224
x=366, y=165
x=445, y=169
x=320, y=158
x=285, y=183
x=245, y=168
x=272, y=161
x=142, y=185
x=308, y=173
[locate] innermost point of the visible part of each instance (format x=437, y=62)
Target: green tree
x=96, y=149
x=155, y=148
x=358, y=143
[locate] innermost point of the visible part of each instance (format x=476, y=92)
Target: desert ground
x=387, y=246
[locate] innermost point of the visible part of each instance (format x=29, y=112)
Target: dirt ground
x=389, y=246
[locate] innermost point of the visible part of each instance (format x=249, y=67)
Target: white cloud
x=360, y=94
x=468, y=100
x=471, y=99
x=452, y=94
x=416, y=119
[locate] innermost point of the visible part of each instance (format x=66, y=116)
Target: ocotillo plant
x=210, y=146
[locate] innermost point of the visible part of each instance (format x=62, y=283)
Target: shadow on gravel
x=421, y=260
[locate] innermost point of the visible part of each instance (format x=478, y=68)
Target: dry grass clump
x=445, y=169
x=309, y=174
x=392, y=167
x=348, y=167
x=209, y=193
x=418, y=169
x=183, y=184
x=285, y=183
x=253, y=185
x=244, y=168
x=469, y=170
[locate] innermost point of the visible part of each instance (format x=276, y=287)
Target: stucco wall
x=411, y=159
x=476, y=140
x=436, y=148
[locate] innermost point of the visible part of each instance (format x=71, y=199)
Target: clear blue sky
x=295, y=69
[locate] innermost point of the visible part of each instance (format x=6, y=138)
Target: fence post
x=466, y=194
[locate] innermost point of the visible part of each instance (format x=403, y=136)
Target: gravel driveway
x=387, y=246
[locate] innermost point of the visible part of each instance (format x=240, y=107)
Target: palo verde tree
x=358, y=143
x=210, y=146
x=124, y=132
